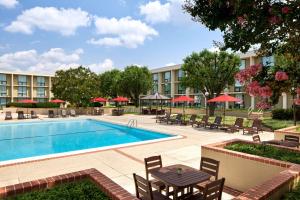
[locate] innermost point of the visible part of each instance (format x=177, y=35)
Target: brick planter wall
x=105, y=184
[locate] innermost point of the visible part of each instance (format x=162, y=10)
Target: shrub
x=293, y=195
x=35, y=105
x=285, y=114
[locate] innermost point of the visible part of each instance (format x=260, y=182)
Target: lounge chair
x=33, y=114
x=215, y=125
x=292, y=138
x=72, y=113
x=164, y=118
x=203, y=122
x=177, y=120
x=51, y=114
x=8, y=115
x=255, y=128
x=64, y=113
x=238, y=125
x=21, y=115
x=192, y=120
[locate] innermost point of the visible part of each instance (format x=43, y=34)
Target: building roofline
x=25, y=73
x=166, y=68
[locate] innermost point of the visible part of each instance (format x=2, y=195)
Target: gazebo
x=153, y=97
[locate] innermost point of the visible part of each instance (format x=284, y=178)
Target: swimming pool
x=32, y=139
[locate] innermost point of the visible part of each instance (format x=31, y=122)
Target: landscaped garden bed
x=267, y=151
x=80, y=190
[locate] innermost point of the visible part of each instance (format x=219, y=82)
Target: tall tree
x=76, y=85
x=110, y=83
x=210, y=72
x=135, y=81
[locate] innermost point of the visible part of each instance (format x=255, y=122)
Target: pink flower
x=281, y=76
x=265, y=91
x=253, y=70
x=253, y=88
x=298, y=90
x=245, y=74
x=285, y=10
x=263, y=105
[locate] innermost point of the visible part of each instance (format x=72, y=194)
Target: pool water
x=29, y=139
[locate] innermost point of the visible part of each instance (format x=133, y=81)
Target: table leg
x=176, y=193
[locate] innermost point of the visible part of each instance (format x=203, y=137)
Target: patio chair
x=211, y=167
x=255, y=128
x=154, y=162
x=215, y=125
x=212, y=191
x=33, y=115
x=8, y=115
x=64, y=113
x=51, y=114
x=238, y=124
x=164, y=118
x=144, y=190
x=21, y=115
x=203, y=122
x=292, y=138
x=72, y=113
x=177, y=120
x=192, y=120
x=256, y=138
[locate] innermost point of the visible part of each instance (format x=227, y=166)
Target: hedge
x=285, y=114
x=35, y=105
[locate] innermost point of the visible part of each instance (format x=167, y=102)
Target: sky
x=44, y=36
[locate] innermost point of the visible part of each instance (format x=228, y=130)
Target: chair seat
x=158, y=184
x=201, y=186
x=156, y=196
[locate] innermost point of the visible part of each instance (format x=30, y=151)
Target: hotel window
x=3, y=79
x=243, y=64
x=40, y=81
x=22, y=80
x=22, y=91
x=41, y=92
x=180, y=74
x=167, y=89
x=167, y=76
x=180, y=89
x=155, y=78
x=268, y=61
x=3, y=91
x=3, y=101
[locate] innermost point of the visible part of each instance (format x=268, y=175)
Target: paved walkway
x=119, y=164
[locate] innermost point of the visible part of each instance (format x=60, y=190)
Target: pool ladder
x=132, y=123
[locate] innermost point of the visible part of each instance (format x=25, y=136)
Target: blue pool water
x=28, y=139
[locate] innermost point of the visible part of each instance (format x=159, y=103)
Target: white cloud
x=106, y=65
x=170, y=64
x=9, y=3
x=122, y=32
x=63, y=21
x=155, y=12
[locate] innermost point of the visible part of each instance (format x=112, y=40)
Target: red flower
x=263, y=105
x=281, y=76
x=253, y=88
x=265, y=91
x=285, y=10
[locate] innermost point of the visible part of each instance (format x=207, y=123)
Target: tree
x=110, y=83
x=76, y=85
x=273, y=25
x=134, y=82
x=210, y=72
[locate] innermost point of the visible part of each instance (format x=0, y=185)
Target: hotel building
x=167, y=82
x=17, y=86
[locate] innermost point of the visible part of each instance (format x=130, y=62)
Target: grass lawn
x=79, y=190
x=277, y=124
x=266, y=151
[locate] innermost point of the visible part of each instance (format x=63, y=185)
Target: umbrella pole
x=224, y=112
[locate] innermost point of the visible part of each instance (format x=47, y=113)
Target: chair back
x=256, y=138
x=72, y=112
x=257, y=124
x=291, y=138
x=204, y=119
x=32, y=112
x=193, y=118
x=213, y=190
x=50, y=112
x=21, y=114
x=218, y=120
x=142, y=187
x=153, y=162
x=8, y=114
x=64, y=112
x=239, y=122
x=210, y=166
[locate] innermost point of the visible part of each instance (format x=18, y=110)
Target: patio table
x=187, y=177
x=282, y=143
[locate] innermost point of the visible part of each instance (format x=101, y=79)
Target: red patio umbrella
x=183, y=99
x=58, y=101
x=120, y=99
x=27, y=101
x=224, y=98
x=98, y=99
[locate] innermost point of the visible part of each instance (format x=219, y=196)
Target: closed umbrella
x=224, y=98
x=27, y=101
x=58, y=101
x=183, y=99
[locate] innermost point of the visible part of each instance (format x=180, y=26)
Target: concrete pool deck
x=119, y=164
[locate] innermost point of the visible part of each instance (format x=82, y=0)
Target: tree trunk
x=212, y=107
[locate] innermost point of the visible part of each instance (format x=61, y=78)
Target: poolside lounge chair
x=177, y=120
x=192, y=120
x=64, y=113
x=163, y=118
x=292, y=138
x=238, y=124
x=21, y=115
x=255, y=128
x=72, y=113
x=33, y=114
x=215, y=124
x=203, y=122
x=8, y=115
x=51, y=114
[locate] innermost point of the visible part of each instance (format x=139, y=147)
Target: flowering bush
x=281, y=76
x=245, y=74
x=265, y=91
x=263, y=105
x=253, y=88
x=298, y=91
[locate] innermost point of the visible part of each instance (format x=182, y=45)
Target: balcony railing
x=22, y=83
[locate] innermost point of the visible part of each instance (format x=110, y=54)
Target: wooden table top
x=188, y=177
